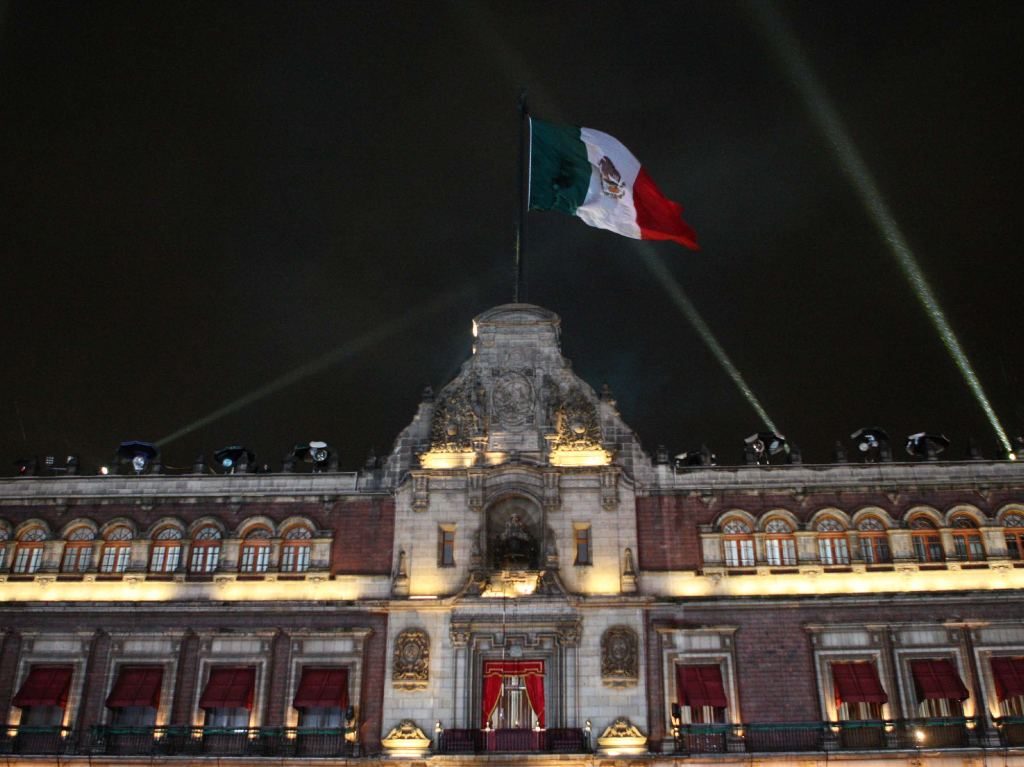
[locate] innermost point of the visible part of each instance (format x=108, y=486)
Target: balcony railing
x=560, y=740
x=1011, y=730
x=36, y=740
x=872, y=735
x=224, y=741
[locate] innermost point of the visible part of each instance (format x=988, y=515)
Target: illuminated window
x=28, y=555
x=255, y=555
x=78, y=551
x=117, y=551
x=926, y=540
x=3, y=547
x=166, y=554
x=779, y=543
x=833, y=548
x=295, y=550
x=700, y=694
x=43, y=696
x=874, y=541
x=228, y=697
x=967, y=539
x=446, y=546
x=205, y=550
x=738, y=544
x=581, y=535
x=135, y=696
x=1008, y=674
x=1014, y=524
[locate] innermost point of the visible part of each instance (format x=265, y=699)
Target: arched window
x=295, y=550
x=833, y=548
x=78, y=550
x=1014, y=524
x=967, y=539
x=738, y=544
x=255, y=555
x=779, y=543
x=166, y=554
x=117, y=550
x=28, y=554
x=205, y=550
x=874, y=541
x=926, y=540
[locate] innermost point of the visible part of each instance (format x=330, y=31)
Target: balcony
x=556, y=740
x=36, y=740
x=877, y=735
x=234, y=741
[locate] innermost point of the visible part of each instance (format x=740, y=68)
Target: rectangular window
x=928, y=547
x=115, y=558
x=833, y=551
x=228, y=697
x=77, y=558
x=205, y=558
x=295, y=558
x=43, y=696
x=859, y=694
x=582, y=539
x=739, y=552
x=780, y=551
x=701, y=694
x=874, y=549
x=446, y=546
x=940, y=691
x=1009, y=678
x=27, y=559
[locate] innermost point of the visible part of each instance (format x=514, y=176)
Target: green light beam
x=781, y=40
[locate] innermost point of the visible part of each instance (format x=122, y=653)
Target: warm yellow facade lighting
x=435, y=459
x=593, y=457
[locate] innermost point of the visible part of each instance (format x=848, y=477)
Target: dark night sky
x=199, y=198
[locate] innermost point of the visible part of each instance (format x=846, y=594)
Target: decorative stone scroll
x=620, y=659
x=411, y=668
x=406, y=739
x=621, y=737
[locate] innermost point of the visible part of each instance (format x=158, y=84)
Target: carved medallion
x=620, y=665
x=513, y=401
x=411, y=669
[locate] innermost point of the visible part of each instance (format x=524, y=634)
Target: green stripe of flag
x=559, y=169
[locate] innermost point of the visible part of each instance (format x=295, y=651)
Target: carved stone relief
x=459, y=416
x=411, y=668
x=620, y=660
x=576, y=423
x=513, y=400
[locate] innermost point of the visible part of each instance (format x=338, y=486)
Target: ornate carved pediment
x=411, y=666
x=576, y=423
x=406, y=739
x=622, y=737
x=620, y=657
x=459, y=416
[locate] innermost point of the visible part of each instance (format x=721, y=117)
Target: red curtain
x=857, y=683
x=937, y=680
x=322, y=688
x=700, y=686
x=44, y=686
x=137, y=686
x=496, y=670
x=1009, y=676
x=229, y=688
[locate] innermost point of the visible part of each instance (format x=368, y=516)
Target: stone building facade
x=517, y=581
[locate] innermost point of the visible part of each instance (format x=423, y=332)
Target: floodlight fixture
x=927, y=446
x=318, y=453
x=702, y=456
x=234, y=458
x=760, y=447
x=872, y=443
x=139, y=454
x=27, y=466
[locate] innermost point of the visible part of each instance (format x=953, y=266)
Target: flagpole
x=519, y=291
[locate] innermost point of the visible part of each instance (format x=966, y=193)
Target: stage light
x=872, y=443
x=234, y=458
x=316, y=452
x=26, y=466
x=699, y=457
x=104, y=470
x=760, y=447
x=927, y=446
x=139, y=454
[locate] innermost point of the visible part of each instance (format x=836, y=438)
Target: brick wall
x=364, y=536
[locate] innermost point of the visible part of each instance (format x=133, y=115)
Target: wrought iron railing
x=36, y=740
x=870, y=735
x=224, y=741
x=562, y=740
x=1011, y=730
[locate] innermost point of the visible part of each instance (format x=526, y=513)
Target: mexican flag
x=589, y=174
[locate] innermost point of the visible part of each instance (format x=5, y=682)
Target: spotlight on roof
x=700, y=457
x=139, y=454
x=234, y=459
x=317, y=453
x=927, y=446
x=26, y=467
x=762, y=446
x=872, y=443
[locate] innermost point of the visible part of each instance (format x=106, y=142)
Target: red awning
x=322, y=688
x=937, y=680
x=857, y=683
x=700, y=686
x=229, y=688
x=503, y=668
x=44, y=686
x=137, y=686
x=1009, y=676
